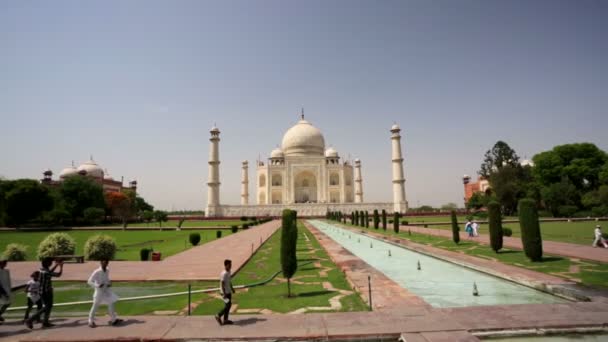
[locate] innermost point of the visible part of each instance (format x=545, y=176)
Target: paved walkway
x=203, y=262
x=453, y=324
x=549, y=247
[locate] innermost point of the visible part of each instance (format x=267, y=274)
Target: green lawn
x=188, y=223
x=572, y=232
x=129, y=242
x=586, y=272
x=264, y=264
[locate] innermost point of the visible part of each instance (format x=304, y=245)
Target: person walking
x=468, y=229
x=599, y=238
x=100, y=281
x=32, y=288
x=46, y=292
x=475, y=228
x=226, y=289
x=5, y=288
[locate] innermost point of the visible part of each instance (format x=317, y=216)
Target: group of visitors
x=472, y=228
x=39, y=289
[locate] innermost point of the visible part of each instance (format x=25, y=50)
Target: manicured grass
x=187, y=223
x=305, y=291
x=585, y=272
x=129, y=243
x=571, y=232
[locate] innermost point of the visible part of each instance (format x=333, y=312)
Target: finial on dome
x=302, y=115
x=91, y=157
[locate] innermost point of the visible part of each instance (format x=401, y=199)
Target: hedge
x=530, y=229
x=495, y=225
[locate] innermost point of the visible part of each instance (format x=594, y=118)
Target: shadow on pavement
x=249, y=321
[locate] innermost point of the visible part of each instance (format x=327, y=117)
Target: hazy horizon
x=139, y=84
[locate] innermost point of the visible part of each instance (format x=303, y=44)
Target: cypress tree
x=396, y=217
x=289, y=239
x=455, y=228
x=356, y=218
x=361, y=219
x=376, y=219
x=383, y=219
x=352, y=218
x=495, y=224
x=366, y=219
x=530, y=229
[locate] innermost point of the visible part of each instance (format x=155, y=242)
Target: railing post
x=189, y=298
x=369, y=285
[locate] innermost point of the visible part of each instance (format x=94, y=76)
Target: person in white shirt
x=32, y=288
x=598, y=237
x=5, y=288
x=100, y=281
x=475, y=228
x=226, y=290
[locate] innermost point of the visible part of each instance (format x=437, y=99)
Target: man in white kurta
x=100, y=281
x=5, y=288
x=599, y=237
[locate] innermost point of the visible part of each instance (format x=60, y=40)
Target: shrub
x=93, y=215
x=289, y=239
x=567, y=210
x=404, y=223
x=481, y=215
x=390, y=221
x=530, y=229
x=600, y=211
x=56, y=244
x=235, y=229
x=583, y=214
x=15, y=252
x=100, y=247
x=495, y=225
x=195, y=238
x=383, y=219
x=243, y=218
x=218, y=234
x=246, y=226
x=507, y=231
x=147, y=215
x=144, y=254
x=396, y=222
x=376, y=219
x=455, y=228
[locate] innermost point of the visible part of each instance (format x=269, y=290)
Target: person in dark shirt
x=46, y=292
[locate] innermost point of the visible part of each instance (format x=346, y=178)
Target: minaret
x=399, y=203
x=213, y=183
x=358, y=182
x=245, y=184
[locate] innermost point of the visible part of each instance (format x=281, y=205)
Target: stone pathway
x=203, y=262
x=549, y=247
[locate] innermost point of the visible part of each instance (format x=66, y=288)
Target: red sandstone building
x=93, y=170
x=482, y=185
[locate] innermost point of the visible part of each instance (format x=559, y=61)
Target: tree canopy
x=500, y=155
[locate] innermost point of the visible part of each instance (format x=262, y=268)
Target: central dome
x=303, y=139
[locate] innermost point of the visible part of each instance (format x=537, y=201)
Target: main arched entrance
x=305, y=186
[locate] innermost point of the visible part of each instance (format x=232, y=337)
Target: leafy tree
x=376, y=219
x=495, y=225
x=455, y=228
x=500, y=155
x=603, y=175
x=147, y=215
x=94, y=215
x=583, y=164
x=79, y=193
x=25, y=200
x=425, y=208
x=559, y=194
x=289, y=239
x=530, y=229
x=141, y=205
x=509, y=185
x=120, y=206
x=160, y=217
x=477, y=201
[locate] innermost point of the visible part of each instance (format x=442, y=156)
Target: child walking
x=32, y=288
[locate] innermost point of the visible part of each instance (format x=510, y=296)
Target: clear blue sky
x=138, y=84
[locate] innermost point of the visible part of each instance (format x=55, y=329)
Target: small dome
x=92, y=169
x=331, y=153
x=395, y=127
x=277, y=153
x=106, y=175
x=214, y=129
x=357, y=160
x=303, y=139
x=68, y=171
x=526, y=162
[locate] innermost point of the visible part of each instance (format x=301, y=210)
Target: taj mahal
x=305, y=176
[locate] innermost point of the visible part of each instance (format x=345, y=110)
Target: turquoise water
x=439, y=283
